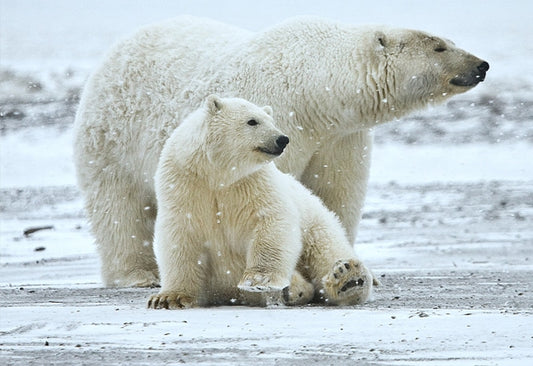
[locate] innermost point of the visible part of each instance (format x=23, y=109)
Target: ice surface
x=236, y=336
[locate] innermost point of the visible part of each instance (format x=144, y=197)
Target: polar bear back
x=146, y=85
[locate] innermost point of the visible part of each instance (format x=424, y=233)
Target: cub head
x=240, y=135
x=426, y=68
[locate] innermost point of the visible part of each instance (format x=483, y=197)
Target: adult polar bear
x=327, y=82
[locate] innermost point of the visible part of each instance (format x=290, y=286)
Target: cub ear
x=214, y=104
x=268, y=110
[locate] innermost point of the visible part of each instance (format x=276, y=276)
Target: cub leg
x=180, y=255
x=272, y=257
x=331, y=264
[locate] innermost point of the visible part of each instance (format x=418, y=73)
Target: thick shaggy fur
x=329, y=84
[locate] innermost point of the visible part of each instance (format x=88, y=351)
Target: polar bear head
x=373, y=74
x=240, y=136
x=420, y=68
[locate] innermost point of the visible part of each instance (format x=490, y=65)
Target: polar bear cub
x=231, y=227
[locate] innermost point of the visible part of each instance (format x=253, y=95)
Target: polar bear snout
x=276, y=147
x=473, y=77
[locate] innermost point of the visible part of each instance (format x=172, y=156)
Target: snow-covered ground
x=448, y=224
x=454, y=260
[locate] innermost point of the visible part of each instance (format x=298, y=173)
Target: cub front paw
x=348, y=283
x=171, y=300
x=260, y=282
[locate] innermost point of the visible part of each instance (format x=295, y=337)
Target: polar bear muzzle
x=473, y=77
x=277, y=147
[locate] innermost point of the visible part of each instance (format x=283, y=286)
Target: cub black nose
x=282, y=141
x=484, y=67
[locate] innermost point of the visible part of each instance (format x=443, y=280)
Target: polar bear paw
x=300, y=291
x=260, y=282
x=171, y=300
x=136, y=278
x=348, y=283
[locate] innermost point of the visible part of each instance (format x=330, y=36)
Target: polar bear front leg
x=271, y=259
x=338, y=174
x=329, y=261
x=183, y=271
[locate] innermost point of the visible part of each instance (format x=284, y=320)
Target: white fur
x=329, y=84
x=229, y=223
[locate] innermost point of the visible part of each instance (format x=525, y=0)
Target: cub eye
x=252, y=122
x=440, y=49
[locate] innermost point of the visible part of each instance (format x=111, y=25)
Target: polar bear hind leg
x=349, y=282
x=123, y=228
x=299, y=292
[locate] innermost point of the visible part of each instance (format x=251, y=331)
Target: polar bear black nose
x=282, y=141
x=484, y=67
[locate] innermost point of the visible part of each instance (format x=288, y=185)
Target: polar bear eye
x=440, y=49
x=252, y=122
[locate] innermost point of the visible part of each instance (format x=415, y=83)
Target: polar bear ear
x=214, y=104
x=268, y=110
x=381, y=39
